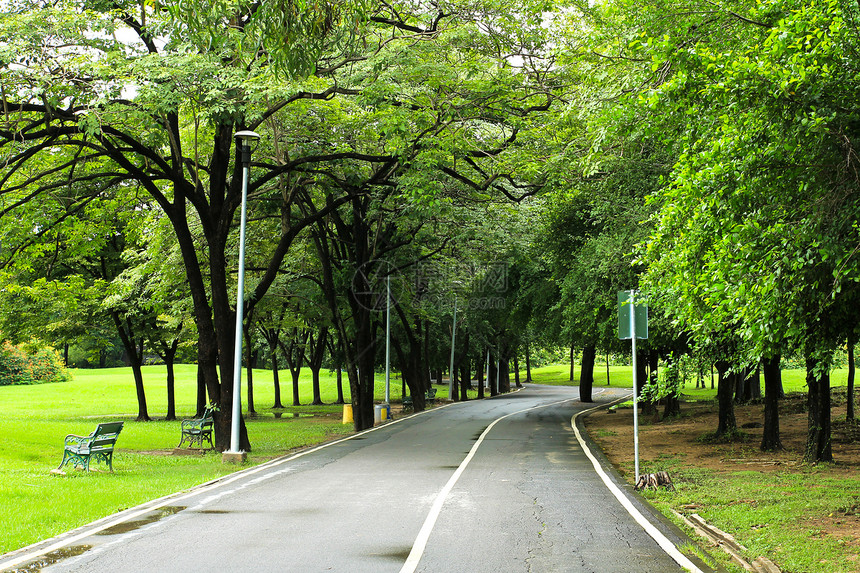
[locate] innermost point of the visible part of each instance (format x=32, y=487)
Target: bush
x=32, y=366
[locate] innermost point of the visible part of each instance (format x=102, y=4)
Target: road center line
x=426, y=529
x=655, y=533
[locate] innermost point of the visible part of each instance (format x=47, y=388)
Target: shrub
x=30, y=366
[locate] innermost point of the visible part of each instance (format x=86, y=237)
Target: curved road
x=493, y=485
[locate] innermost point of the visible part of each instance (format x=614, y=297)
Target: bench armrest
x=197, y=424
x=73, y=440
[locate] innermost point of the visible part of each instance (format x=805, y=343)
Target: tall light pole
x=244, y=147
x=454, y=284
x=388, y=341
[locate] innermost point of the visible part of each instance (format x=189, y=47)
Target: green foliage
x=759, y=216
x=25, y=364
x=669, y=380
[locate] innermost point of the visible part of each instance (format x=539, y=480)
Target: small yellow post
x=347, y=414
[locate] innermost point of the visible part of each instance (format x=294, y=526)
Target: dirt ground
x=614, y=433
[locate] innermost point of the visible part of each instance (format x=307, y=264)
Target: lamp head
x=245, y=137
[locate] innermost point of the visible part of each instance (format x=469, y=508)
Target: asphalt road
x=499, y=485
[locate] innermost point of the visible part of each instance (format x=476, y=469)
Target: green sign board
x=641, y=316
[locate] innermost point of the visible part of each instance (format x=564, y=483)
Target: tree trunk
x=317, y=354
x=465, y=371
x=726, y=421
x=171, y=390
x=572, y=365
x=641, y=375
x=818, y=448
x=168, y=354
x=528, y=363
x=493, y=375
x=850, y=403
x=607, y=368
x=425, y=349
x=586, y=377
x=517, y=370
x=361, y=375
x=136, y=359
x=340, y=399
x=201, y=395
x=653, y=361
x=673, y=402
x=482, y=374
x=295, y=356
x=294, y=374
x=504, y=376
x=752, y=391
x=276, y=377
x=247, y=331
x=770, y=439
x=249, y=363
x=739, y=385
x=672, y=407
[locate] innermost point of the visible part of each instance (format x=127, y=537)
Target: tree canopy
x=703, y=151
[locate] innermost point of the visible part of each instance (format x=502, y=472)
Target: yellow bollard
x=347, y=414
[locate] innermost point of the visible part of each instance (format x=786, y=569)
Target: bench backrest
x=105, y=435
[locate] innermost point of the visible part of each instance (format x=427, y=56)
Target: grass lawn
x=34, y=420
x=620, y=376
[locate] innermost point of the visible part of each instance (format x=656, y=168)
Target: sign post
x=633, y=324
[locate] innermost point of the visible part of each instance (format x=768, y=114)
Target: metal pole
x=453, y=338
x=244, y=148
x=240, y=300
x=635, y=385
x=388, y=340
x=487, y=376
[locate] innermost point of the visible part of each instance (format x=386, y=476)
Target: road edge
x=668, y=528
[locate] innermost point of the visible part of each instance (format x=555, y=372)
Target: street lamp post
x=388, y=342
x=453, y=339
x=234, y=454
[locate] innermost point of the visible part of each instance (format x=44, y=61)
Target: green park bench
x=80, y=450
x=198, y=430
x=429, y=398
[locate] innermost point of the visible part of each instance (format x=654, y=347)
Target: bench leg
x=66, y=458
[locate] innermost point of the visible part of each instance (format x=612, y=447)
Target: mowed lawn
x=34, y=504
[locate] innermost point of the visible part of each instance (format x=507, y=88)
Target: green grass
x=34, y=420
x=772, y=514
x=620, y=377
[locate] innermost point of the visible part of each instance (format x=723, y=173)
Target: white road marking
x=655, y=533
x=430, y=521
